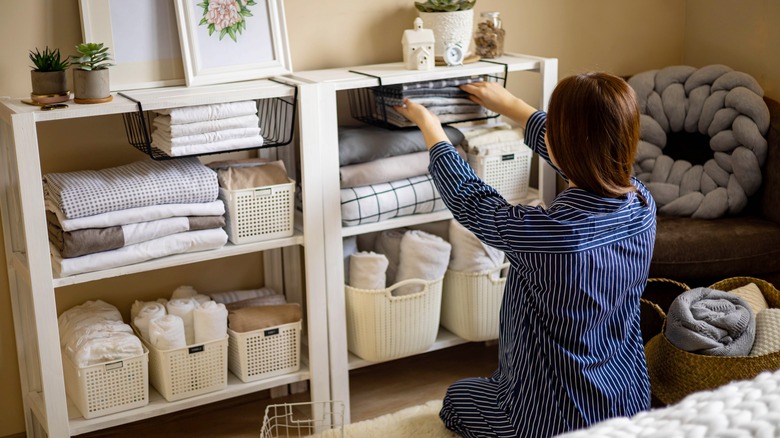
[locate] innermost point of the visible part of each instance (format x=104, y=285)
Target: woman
x=570, y=345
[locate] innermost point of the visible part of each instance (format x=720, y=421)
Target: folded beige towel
x=249, y=173
x=255, y=318
x=753, y=296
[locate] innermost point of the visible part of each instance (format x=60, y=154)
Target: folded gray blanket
x=711, y=322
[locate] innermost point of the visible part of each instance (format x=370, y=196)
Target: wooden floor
x=376, y=390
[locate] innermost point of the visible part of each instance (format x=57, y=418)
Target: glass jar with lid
x=489, y=37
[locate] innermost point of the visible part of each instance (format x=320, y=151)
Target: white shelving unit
x=33, y=285
x=329, y=83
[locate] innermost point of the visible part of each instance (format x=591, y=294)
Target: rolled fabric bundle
x=255, y=318
x=469, y=254
x=240, y=295
x=424, y=256
x=767, y=332
x=711, y=322
x=201, y=299
x=88, y=309
x=753, y=296
x=367, y=270
x=210, y=322
x=148, y=312
x=99, y=349
x=388, y=242
x=349, y=247
x=269, y=300
x=167, y=333
x=184, y=291
x=184, y=308
x=100, y=329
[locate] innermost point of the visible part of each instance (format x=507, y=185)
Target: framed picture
x=232, y=40
x=142, y=38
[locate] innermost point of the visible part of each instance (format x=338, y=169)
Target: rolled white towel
x=150, y=311
x=469, y=254
x=167, y=333
x=99, y=349
x=184, y=308
x=367, y=270
x=388, y=242
x=424, y=256
x=210, y=322
x=184, y=291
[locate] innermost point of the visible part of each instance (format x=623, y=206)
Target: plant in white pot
x=90, y=77
x=452, y=22
x=48, y=78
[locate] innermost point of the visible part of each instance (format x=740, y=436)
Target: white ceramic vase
x=450, y=27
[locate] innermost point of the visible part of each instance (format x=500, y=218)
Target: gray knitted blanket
x=711, y=322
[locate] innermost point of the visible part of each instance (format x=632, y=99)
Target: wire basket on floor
x=304, y=419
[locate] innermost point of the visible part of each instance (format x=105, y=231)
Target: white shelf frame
x=330, y=82
x=33, y=285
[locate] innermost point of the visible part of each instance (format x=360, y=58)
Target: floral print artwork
x=226, y=16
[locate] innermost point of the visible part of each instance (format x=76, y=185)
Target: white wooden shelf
x=444, y=339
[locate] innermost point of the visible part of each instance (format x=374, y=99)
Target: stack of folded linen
x=384, y=174
x=442, y=97
x=207, y=128
x=93, y=333
x=132, y=213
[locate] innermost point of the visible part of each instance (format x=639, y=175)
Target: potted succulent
x=49, y=82
x=452, y=22
x=90, y=77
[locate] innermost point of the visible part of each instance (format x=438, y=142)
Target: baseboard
x=16, y=435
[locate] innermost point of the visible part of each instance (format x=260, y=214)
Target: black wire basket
x=374, y=105
x=277, y=120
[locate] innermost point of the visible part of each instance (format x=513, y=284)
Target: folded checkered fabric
x=139, y=184
x=378, y=202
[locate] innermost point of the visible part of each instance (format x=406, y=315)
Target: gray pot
x=91, y=84
x=48, y=82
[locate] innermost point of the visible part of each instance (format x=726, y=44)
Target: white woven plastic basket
x=188, y=371
x=508, y=170
x=261, y=213
x=471, y=301
x=265, y=353
x=109, y=387
x=381, y=326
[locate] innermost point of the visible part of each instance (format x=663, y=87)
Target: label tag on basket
x=196, y=349
x=507, y=157
x=262, y=192
x=114, y=365
x=271, y=332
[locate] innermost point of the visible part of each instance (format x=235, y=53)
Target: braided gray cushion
x=715, y=101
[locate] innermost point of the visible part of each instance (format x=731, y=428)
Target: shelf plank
x=159, y=406
x=444, y=339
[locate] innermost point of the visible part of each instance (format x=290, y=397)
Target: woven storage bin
x=658, y=294
x=108, y=387
x=675, y=373
x=507, y=170
x=382, y=327
x=471, y=301
x=188, y=371
x=261, y=213
x=265, y=353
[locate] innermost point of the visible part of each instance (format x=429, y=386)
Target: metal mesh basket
x=303, y=419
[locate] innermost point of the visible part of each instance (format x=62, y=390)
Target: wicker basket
x=675, y=373
x=382, y=327
x=470, y=303
x=658, y=294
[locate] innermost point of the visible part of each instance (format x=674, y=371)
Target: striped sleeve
x=535, y=130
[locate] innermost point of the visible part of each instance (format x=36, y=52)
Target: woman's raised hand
x=498, y=99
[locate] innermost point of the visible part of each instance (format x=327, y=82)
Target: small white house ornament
x=418, y=47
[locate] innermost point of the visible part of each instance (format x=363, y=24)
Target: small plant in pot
x=90, y=77
x=48, y=78
x=452, y=22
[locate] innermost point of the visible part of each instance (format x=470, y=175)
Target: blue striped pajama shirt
x=570, y=345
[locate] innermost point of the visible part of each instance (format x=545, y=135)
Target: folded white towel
x=167, y=333
x=210, y=322
x=148, y=312
x=469, y=254
x=184, y=308
x=202, y=113
x=84, y=314
x=106, y=348
x=204, y=148
x=97, y=328
x=367, y=270
x=424, y=256
x=163, y=123
x=206, y=137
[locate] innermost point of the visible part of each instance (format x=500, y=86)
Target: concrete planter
x=450, y=27
x=49, y=86
x=91, y=85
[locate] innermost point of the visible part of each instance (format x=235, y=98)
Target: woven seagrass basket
x=658, y=292
x=675, y=373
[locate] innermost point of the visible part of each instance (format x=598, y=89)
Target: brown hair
x=593, y=132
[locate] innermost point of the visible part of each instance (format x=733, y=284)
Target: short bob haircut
x=593, y=132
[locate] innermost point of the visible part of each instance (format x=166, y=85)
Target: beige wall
x=613, y=35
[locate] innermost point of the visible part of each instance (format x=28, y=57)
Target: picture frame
x=232, y=40
x=142, y=38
